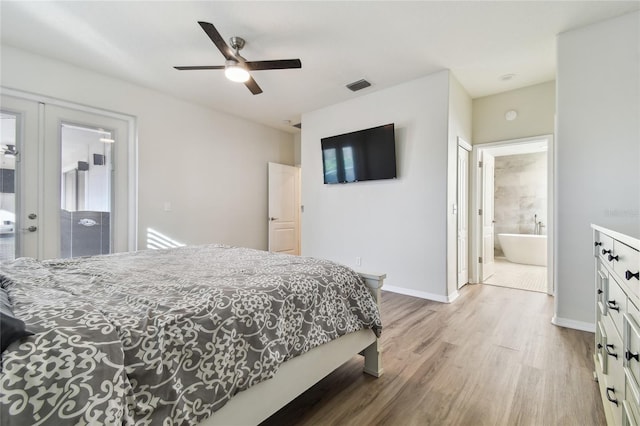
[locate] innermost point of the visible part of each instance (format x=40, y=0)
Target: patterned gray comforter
x=165, y=337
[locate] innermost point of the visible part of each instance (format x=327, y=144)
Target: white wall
x=399, y=226
x=211, y=167
x=597, y=151
x=536, y=112
x=297, y=155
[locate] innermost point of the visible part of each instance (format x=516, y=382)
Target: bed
x=211, y=335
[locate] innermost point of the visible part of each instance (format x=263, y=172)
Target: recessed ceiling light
x=507, y=77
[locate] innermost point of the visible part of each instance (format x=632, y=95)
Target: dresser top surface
x=626, y=239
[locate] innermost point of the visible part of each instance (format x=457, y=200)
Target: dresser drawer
x=629, y=414
x=603, y=245
x=616, y=303
x=631, y=361
x=613, y=347
x=601, y=344
x=626, y=265
x=615, y=377
x=602, y=287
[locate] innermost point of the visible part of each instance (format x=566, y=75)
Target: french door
x=65, y=181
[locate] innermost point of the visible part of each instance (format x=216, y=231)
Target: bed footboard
x=373, y=353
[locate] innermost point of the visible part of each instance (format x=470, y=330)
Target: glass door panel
x=85, y=188
x=19, y=214
x=87, y=213
x=8, y=152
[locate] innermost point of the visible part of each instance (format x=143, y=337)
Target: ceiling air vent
x=358, y=85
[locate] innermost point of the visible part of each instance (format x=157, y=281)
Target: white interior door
x=72, y=180
x=284, y=208
x=463, y=216
x=487, y=263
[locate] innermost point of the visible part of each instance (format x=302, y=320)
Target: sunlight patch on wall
x=157, y=240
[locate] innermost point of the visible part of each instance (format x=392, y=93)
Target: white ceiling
x=385, y=42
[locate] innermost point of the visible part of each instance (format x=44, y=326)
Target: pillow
x=11, y=328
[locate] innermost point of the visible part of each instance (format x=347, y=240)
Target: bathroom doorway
x=512, y=233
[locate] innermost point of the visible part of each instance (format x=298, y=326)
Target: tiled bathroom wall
x=520, y=194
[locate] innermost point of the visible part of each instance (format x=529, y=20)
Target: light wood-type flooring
x=490, y=358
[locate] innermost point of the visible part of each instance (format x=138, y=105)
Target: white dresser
x=617, y=348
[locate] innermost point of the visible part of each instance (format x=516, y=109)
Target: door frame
x=476, y=193
x=132, y=150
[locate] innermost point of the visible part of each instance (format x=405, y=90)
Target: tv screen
x=368, y=154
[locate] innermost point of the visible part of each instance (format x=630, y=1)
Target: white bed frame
x=257, y=403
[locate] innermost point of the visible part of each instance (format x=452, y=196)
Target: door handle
x=30, y=229
x=273, y=218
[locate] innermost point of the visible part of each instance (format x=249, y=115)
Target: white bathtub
x=525, y=248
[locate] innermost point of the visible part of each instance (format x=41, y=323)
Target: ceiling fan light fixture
x=235, y=71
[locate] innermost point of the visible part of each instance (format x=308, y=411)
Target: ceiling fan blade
x=280, y=64
x=201, y=67
x=217, y=39
x=253, y=86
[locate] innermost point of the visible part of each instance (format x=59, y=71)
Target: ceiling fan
x=236, y=68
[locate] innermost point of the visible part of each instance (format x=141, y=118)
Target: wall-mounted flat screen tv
x=368, y=154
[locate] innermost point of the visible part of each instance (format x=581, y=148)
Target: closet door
x=463, y=216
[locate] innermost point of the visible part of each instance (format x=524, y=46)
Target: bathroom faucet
x=538, y=225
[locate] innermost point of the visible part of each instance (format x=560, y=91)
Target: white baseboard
x=578, y=325
x=421, y=294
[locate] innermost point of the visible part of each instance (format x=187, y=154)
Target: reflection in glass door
x=8, y=153
x=85, y=189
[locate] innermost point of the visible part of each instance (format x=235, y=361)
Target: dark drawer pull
x=628, y=275
x=613, y=354
x=612, y=305
x=610, y=398
x=597, y=243
x=604, y=251
x=629, y=356
x=616, y=258
x=599, y=345
x=600, y=291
